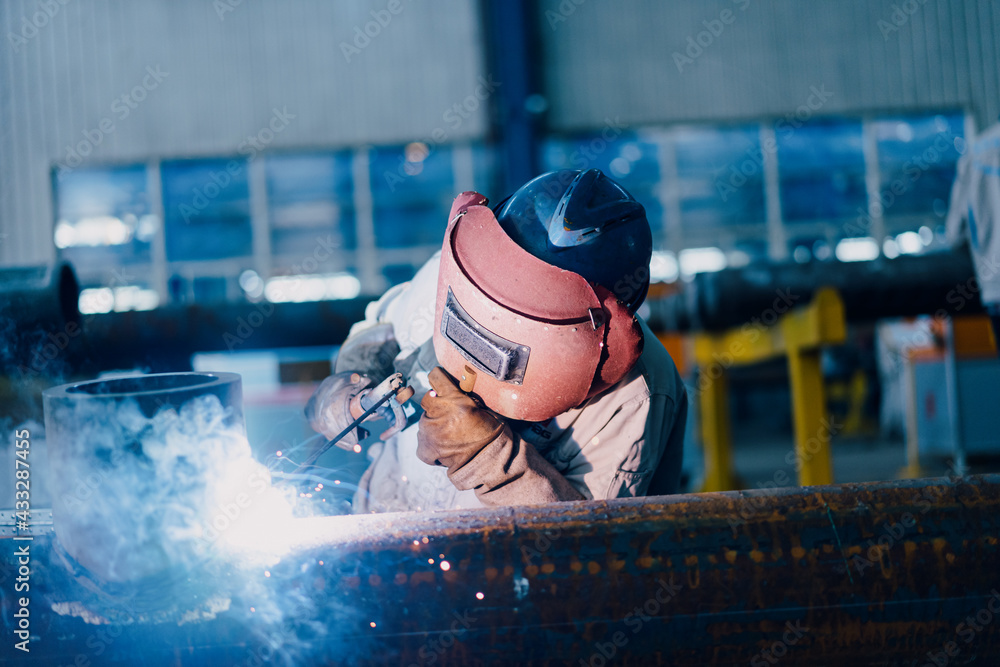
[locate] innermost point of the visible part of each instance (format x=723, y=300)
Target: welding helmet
x=537, y=298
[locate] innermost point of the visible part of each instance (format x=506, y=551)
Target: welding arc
x=308, y=463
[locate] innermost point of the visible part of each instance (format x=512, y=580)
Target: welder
x=536, y=379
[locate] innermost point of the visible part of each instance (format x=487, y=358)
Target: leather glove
x=329, y=408
x=370, y=351
x=481, y=452
x=455, y=426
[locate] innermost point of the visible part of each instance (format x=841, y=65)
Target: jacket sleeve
x=510, y=471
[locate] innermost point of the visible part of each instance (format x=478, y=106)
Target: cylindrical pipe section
x=125, y=455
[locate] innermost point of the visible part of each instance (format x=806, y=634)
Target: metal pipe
x=900, y=572
x=905, y=286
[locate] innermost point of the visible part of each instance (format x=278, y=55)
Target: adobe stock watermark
x=784, y=300
x=958, y=297
x=31, y=25
x=562, y=13
x=890, y=535
x=913, y=169
x=223, y=178
x=48, y=350
x=121, y=108
x=440, y=642
x=967, y=631
x=453, y=117
x=750, y=166
x=749, y=506
x=223, y=7
x=636, y=620
x=245, y=327
x=793, y=634
x=899, y=17
x=363, y=35
x=699, y=42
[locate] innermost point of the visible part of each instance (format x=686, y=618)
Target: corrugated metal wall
x=225, y=73
x=617, y=59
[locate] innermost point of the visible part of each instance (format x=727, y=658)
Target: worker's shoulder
x=654, y=375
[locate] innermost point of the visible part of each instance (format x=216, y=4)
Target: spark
x=445, y=565
x=267, y=573
x=357, y=449
x=372, y=624
x=479, y=596
x=430, y=560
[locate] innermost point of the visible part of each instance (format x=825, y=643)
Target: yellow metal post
x=805, y=331
x=799, y=335
x=716, y=434
x=812, y=429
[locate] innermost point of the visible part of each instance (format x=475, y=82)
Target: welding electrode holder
x=361, y=406
x=392, y=390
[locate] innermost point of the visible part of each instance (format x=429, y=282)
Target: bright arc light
x=702, y=260
x=862, y=249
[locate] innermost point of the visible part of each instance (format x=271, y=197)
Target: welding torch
x=392, y=390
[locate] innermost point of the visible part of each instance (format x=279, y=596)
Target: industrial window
x=206, y=206
x=820, y=188
x=310, y=203
x=720, y=174
x=916, y=161
x=106, y=228
x=412, y=188
x=286, y=227
x=822, y=170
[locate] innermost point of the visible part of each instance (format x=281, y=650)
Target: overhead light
x=663, y=267
x=314, y=287
x=702, y=260
x=862, y=249
x=909, y=243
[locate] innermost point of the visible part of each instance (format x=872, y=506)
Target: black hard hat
x=585, y=222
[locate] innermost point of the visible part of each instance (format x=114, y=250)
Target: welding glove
x=370, y=351
x=481, y=452
x=329, y=408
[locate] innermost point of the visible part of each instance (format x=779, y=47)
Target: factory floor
x=761, y=462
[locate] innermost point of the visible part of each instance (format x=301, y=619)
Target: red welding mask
x=539, y=339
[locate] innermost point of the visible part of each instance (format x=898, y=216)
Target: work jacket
x=626, y=441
